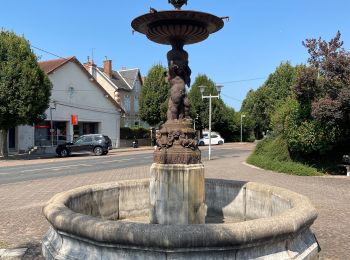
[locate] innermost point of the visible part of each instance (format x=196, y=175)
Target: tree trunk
x=3, y=143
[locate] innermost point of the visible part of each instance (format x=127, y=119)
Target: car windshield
x=79, y=140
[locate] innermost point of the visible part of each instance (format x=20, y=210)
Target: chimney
x=107, y=68
x=90, y=66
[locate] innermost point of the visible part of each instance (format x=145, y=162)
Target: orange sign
x=74, y=119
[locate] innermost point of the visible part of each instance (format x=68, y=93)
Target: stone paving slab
x=23, y=225
x=12, y=254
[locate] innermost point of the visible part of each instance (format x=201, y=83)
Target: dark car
x=97, y=143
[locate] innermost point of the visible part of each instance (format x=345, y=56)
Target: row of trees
x=308, y=105
x=154, y=103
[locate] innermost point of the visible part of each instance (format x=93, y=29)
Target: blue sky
x=258, y=37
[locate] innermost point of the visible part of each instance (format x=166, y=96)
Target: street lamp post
x=51, y=122
x=202, y=89
x=194, y=122
x=242, y=127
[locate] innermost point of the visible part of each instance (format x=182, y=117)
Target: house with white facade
x=78, y=105
x=125, y=85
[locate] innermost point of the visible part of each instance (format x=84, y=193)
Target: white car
x=215, y=139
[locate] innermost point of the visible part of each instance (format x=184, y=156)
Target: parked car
x=215, y=139
x=97, y=143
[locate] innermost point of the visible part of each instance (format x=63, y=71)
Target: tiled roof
x=129, y=76
x=51, y=65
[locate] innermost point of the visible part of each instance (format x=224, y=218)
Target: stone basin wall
x=84, y=227
x=227, y=198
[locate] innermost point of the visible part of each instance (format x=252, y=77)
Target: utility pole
x=242, y=127
x=202, y=89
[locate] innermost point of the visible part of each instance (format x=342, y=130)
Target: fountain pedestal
x=177, y=194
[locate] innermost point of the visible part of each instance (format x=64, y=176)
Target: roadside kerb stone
x=12, y=254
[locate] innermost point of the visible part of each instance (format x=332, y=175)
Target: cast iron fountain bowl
x=186, y=27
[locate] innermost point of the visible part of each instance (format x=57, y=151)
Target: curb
x=14, y=253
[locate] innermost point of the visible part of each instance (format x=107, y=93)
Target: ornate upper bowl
x=177, y=26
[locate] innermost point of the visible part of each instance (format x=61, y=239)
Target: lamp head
x=202, y=89
x=218, y=89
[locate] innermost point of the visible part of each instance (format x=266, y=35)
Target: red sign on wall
x=74, y=119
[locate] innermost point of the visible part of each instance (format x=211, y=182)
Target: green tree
x=260, y=105
x=322, y=91
x=25, y=89
x=153, y=98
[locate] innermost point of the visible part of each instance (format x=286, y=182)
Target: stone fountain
x=177, y=214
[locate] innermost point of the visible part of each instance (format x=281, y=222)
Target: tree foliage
x=260, y=105
x=323, y=93
x=153, y=98
x=25, y=89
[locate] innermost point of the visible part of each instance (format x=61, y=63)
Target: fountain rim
x=211, y=22
x=65, y=221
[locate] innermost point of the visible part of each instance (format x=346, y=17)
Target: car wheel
x=220, y=142
x=64, y=153
x=98, y=151
x=201, y=143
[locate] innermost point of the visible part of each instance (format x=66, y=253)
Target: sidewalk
x=23, y=225
x=28, y=159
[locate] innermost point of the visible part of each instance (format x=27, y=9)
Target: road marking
x=56, y=167
x=119, y=160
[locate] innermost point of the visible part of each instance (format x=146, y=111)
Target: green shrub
x=274, y=148
x=273, y=154
x=134, y=132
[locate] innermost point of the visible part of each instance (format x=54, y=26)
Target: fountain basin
x=187, y=27
x=97, y=222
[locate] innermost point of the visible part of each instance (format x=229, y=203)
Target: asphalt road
x=89, y=163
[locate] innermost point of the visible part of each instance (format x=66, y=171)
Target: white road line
x=57, y=167
x=120, y=160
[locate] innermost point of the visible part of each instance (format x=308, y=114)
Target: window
x=87, y=139
x=98, y=138
x=79, y=140
x=136, y=104
x=137, y=86
x=127, y=103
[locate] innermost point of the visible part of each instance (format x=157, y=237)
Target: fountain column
x=177, y=192
x=177, y=175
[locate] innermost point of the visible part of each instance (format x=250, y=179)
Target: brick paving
x=22, y=224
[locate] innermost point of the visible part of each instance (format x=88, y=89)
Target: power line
x=235, y=99
x=47, y=52
x=241, y=80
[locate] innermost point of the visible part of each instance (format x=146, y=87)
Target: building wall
x=132, y=115
x=103, y=80
x=25, y=137
x=75, y=94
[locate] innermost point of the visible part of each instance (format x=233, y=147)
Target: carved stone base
x=177, y=194
x=177, y=143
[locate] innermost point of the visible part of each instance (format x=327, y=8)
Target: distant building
x=78, y=105
x=125, y=85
